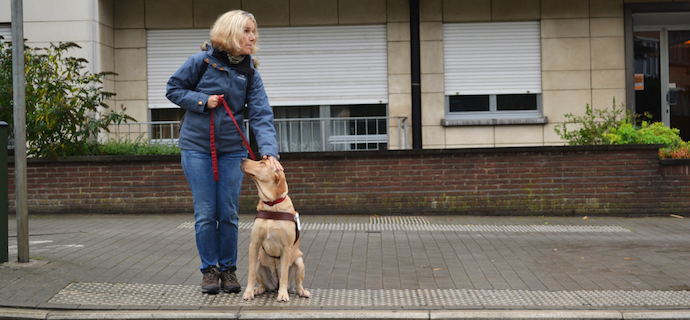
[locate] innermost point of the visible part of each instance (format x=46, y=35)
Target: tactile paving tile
x=124, y=294
x=414, y=223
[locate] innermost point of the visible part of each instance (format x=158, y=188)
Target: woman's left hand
x=275, y=164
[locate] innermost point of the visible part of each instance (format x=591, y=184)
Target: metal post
x=19, y=90
x=4, y=230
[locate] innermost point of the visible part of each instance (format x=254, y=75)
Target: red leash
x=214, y=155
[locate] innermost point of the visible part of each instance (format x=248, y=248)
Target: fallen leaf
x=585, y=218
x=437, y=269
x=626, y=258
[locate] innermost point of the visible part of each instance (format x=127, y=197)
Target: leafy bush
x=114, y=147
x=680, y=152
x=593, y=126
x=614, y=126
x=62, y=101
x=655, y=133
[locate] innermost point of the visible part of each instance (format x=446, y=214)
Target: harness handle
x=214, y=154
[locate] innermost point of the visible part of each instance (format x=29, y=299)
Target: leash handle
x=214, y=154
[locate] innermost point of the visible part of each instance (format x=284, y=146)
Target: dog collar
x=275, y=202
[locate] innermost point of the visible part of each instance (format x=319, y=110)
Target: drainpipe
x=416, y=76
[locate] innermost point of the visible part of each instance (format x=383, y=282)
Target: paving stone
x=422, y=262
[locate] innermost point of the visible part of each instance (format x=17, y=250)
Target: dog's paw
x=304, y=293
x=248, y=295
x=259, y=290
x=283, y=297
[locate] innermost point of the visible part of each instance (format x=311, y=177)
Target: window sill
x=492, y=122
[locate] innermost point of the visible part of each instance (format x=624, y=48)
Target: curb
x=37, y=314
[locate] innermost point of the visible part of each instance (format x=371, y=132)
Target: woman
x=225, y=71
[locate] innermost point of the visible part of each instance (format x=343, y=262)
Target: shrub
x=655, y=133
x=614, y=126
x=115, y=147
x=592, y=127
x=62, y=101
x=680, y=151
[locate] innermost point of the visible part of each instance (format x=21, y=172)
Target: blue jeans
x=215, y=205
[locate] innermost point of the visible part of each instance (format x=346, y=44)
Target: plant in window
x=62, y=101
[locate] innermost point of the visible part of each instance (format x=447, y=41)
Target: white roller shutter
x=299, y=65
x=166, y=51
x=324, y=65
x=492, y=58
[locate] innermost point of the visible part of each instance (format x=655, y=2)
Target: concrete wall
x=88, y=23
x=582, y=53
x=85, y=22
x=582, y=63
x=582, y=49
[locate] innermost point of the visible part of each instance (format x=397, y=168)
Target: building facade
x=492, y=73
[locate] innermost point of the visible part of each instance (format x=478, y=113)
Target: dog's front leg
x=251, y=274
x=284, y=274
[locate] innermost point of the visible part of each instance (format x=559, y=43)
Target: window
x=166, y=126
x=492, y=71
x=312, y=75
x=493, y=103
x=6, y=32
x=331, y=128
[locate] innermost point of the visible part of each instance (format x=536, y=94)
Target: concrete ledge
x=492, y=122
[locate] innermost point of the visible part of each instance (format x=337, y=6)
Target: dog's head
x=270, y=182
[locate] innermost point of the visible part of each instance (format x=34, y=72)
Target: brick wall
x=620, y=180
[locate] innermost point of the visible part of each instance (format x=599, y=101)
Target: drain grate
x=387, y=223
x=180, y=295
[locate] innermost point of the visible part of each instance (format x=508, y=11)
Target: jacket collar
x=243, y=67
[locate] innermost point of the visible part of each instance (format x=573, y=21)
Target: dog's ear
x=281, y=183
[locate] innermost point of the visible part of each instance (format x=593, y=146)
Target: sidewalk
x=361, y=267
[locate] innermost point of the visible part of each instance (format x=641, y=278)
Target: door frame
x=630, y=9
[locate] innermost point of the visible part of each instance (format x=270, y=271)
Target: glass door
x=678, y=91
x=662, y=68
x=648, y=74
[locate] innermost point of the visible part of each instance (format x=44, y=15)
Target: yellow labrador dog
x=275, y=261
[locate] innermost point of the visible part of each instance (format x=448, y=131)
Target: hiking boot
x=210, y=282
x=228, y=281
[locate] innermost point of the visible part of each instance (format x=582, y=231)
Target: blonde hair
x=228, y=30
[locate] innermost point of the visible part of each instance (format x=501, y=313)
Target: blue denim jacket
x=188, y=91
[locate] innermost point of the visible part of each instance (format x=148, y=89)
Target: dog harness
x=271, y=215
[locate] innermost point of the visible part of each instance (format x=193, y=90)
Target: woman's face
x=248, y=39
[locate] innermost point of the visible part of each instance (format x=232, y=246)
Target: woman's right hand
x=213, y=101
